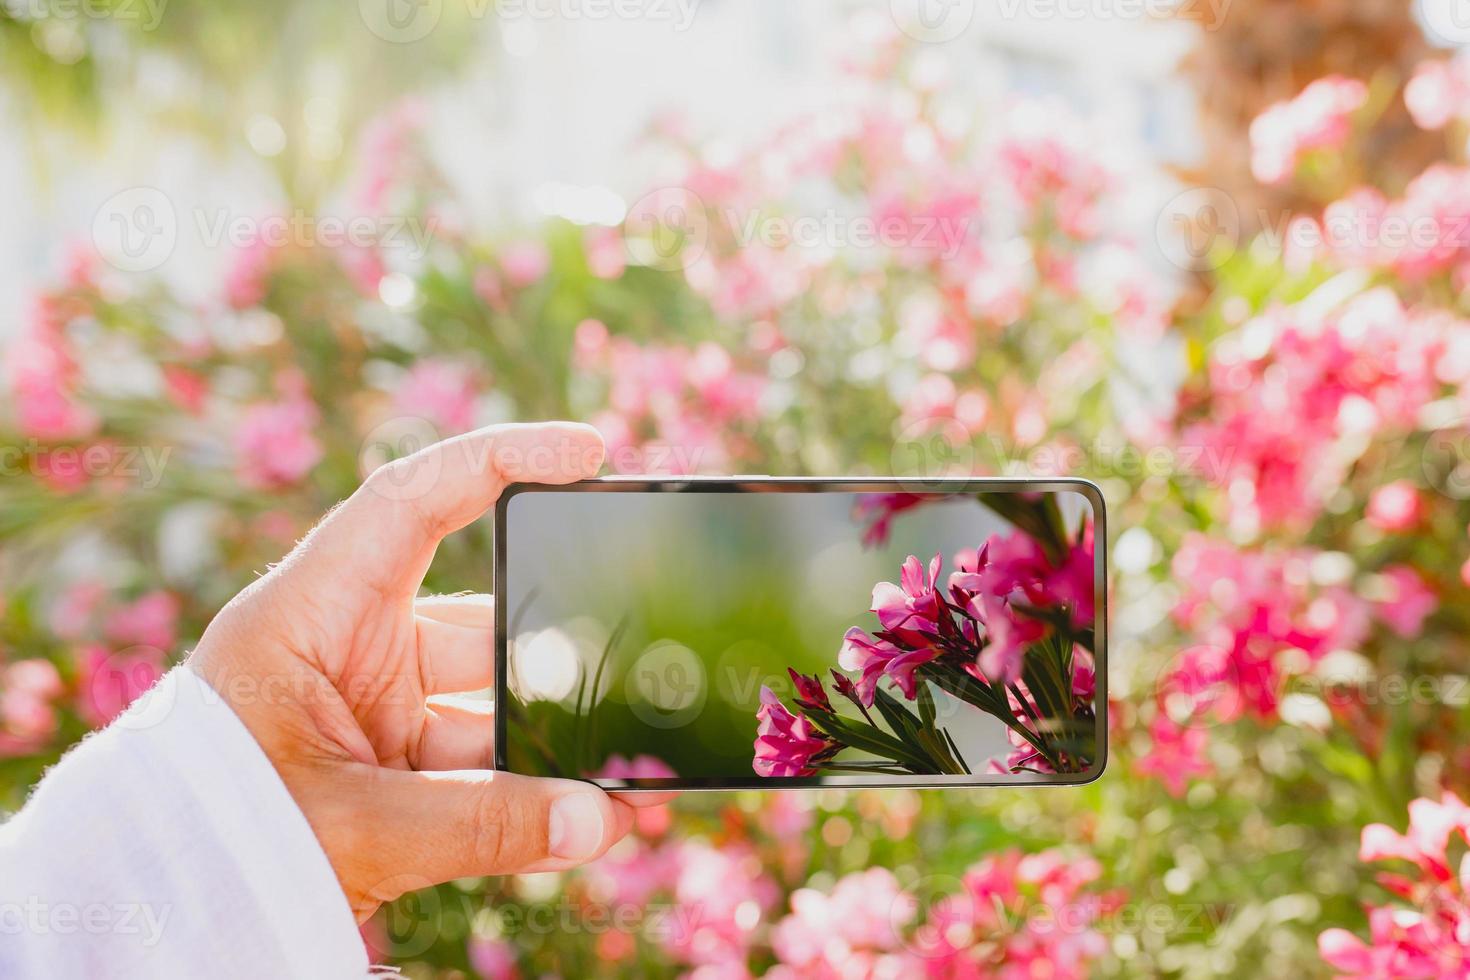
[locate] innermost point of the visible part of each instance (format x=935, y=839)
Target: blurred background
x=1209, y=253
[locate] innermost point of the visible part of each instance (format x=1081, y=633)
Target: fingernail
x=575, y=833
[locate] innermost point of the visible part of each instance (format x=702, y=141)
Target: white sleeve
x=167, y=846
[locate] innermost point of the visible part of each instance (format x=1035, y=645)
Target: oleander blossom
x=1295, y=395
x=1019, y=915
x=275, y=444
x=787, y=744
x=1319, y=118
x=666, y=408
x=1426, y=933
x=856, y=929
x=1439, y=92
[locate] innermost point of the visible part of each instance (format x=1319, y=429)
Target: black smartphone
x=768, y=632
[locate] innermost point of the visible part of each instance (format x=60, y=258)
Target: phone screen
x=771, y=633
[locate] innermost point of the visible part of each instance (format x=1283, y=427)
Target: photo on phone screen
x=736, y=633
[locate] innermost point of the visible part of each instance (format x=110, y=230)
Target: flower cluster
x=1020, y=915
x=668, y=409
x=1320, y=118
x=1297, y=395
x=1012, y=912
x=1019, y=596
x=1428, y=935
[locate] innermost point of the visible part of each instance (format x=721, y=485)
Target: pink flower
x=882, y=508
x=914, y=604
x=274, y=444
x=524, y=263
x=1427, y=936
x=112, y=681
x=43, y=377
x=440, y=391
x=1394, y=506
x=809, y=692
x=186, y=389
x=1279, y=411
x=1438, y=92
x=27, y=690
x=1006, y=637
x=589, y=344
x=1176, y=755
x=492, y=959
x=1320, y=117
x=786, y=744
x=606, y=252
x=1408, y=602
x=877, y=658
x=632, y=872
x=248, y=276
x=722, y=895
x=650, y=821
x=638, y=767
x=667, y=409
x=935, y=399
x=786, y=816
x=834, y=935
x=385, y=154
x=72, y=614
x=1017, y=917
x=151, y=620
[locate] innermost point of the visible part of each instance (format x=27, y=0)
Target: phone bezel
x=801, y=484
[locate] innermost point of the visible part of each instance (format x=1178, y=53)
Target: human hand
x=341, y=673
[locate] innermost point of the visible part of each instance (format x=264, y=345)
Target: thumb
x=438, y=826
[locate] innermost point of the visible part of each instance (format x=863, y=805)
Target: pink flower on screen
x=786, y=744
x=274, y=444
x=439, y=391
x=876, y=659
x=881, y=508
x=1006, y=637
x=913, y=605
x=1408, y=601
x=1318, y=118
x=43, y=377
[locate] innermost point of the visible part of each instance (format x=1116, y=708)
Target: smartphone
x=778, y=632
